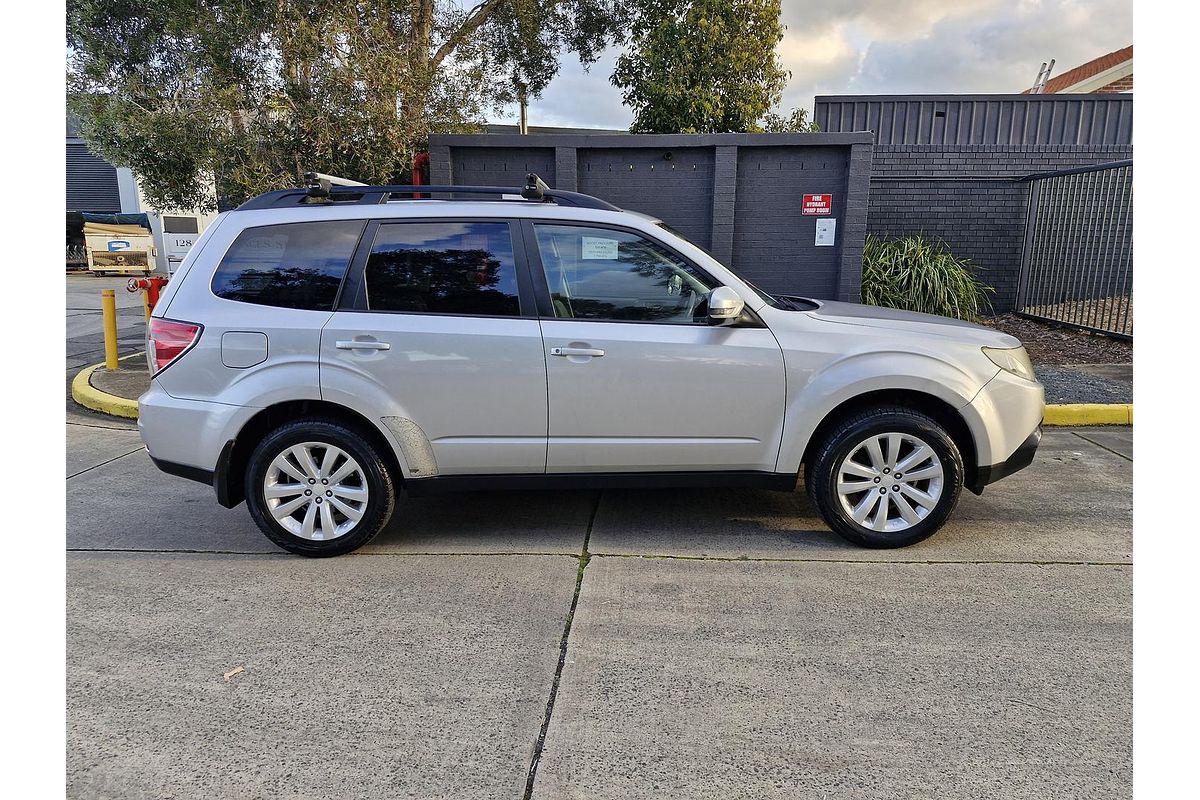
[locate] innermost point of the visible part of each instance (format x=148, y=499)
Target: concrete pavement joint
x=1102, y=447
x=102, y=463
x=584, y=558
x=100, y=427
x=781, y=560
x=590, y=556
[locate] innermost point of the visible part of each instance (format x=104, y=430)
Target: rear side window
x=443, y=268
x=298, y=265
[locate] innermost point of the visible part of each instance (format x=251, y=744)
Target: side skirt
x=447, y=484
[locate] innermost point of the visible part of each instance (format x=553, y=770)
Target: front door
x=438, y=337
x=637, y=378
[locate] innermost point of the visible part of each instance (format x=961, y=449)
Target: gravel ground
x=1066, y=385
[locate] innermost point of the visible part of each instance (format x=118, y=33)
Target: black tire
x=380, y=502
x=845, y=438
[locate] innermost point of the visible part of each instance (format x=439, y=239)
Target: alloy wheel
x=316, y=491
x=890, y=482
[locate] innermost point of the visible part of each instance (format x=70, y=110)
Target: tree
x=795, y=122
x=255, y=92
x=702, y=66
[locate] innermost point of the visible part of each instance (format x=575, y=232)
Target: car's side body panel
x=663, y=397
x=475, y=387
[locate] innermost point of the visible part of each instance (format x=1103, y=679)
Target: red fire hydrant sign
x=817, y=204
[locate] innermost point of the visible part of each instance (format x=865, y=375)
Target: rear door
x=436, y=333
x=637, y=378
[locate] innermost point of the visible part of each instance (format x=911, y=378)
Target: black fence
x=1077, y=264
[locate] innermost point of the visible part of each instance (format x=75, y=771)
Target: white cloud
x=888, y=47
x=578, y=98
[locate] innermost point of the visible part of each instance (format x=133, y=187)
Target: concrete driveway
x=716, y=644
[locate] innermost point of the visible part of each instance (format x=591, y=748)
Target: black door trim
x=744, y=479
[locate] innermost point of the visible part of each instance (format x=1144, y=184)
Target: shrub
x=919, y=274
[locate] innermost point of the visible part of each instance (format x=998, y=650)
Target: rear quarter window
x=296, y=265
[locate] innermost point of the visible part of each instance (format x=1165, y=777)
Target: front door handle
x=576, y=351
x=356, y=344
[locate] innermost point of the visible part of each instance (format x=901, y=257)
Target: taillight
x=168, y=340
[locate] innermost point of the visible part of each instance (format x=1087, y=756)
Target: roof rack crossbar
x=535, y=191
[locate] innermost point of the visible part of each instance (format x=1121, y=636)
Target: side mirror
x=724, y=305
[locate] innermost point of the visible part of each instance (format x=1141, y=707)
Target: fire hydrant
x=151, y=287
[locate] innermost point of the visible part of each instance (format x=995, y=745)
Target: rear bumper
x=192, y=438
x=228, y=494
x=1019, y=460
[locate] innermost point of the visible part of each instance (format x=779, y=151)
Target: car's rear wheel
x=888, y=477
x=318, y=488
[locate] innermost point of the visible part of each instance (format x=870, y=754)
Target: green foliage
x=701, y=66
x=916, y=274
x=796, y=122
x=255, y=92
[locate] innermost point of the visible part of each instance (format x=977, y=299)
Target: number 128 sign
x=817, y=204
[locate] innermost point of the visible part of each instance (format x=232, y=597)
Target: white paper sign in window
x=825, y=232
x=597, y=247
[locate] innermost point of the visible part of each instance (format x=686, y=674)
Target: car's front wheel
x=888, y=477
x=318, y=488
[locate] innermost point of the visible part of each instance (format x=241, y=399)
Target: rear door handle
x=356, y=344
x=575, y=351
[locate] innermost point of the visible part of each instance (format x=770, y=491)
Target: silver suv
x=322, y=349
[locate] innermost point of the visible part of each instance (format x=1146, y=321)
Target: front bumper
x=1019, y=460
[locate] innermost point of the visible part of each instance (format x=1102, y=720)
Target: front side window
x=604, y=274
x=297, y=265
x=443, y=268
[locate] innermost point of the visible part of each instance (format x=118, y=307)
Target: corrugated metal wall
x=1056, y=119
x=91, y=182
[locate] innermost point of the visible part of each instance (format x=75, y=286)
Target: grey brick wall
x=738, y=195
x=678, y=191
x=967, y=196
x=495, y=166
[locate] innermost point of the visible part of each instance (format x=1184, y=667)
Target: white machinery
x=120, y=243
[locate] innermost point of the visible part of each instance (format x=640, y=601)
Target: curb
x=1072, y=414
x=89, y=396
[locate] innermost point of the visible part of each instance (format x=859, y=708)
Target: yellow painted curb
x=89, y=396
x=1089, y=414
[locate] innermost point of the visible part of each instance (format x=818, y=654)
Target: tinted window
x=299, y=265
x=443, y=268
x=597, y=273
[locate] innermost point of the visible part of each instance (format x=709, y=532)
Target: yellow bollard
x=146, y=303
x=108, y=302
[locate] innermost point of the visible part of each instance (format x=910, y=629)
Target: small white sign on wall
x=599, y=248
x=825, y=231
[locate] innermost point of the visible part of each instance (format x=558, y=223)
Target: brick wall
x=966, y=195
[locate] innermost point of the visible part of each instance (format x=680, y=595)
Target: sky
x=885, y=47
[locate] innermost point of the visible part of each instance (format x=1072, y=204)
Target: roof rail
x=322, y=193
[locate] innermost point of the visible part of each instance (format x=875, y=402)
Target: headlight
x=1014, y=360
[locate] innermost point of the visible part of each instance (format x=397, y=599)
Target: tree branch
x=473, y=22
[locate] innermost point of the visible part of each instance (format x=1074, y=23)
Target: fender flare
x=863, y=373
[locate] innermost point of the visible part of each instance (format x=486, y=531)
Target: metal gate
x=1077, y=264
